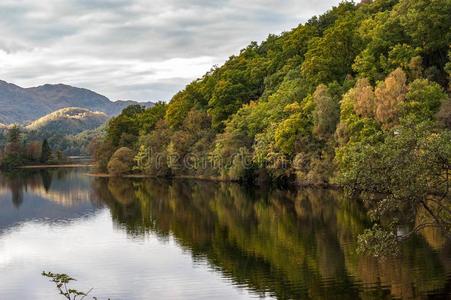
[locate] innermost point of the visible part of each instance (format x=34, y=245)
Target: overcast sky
x=134, y=49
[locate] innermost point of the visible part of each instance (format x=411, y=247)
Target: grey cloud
x=143, y=49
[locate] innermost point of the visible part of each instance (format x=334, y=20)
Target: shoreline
x=56, y=166
x=143, y=176
x=180, y=177
x=211, y=179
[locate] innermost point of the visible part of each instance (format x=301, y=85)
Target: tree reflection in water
x=289, y=244
x=284, y=243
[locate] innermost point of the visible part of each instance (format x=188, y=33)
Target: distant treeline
x=17, y=152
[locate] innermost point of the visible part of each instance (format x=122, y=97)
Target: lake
x=158, y=239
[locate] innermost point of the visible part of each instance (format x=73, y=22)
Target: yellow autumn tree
x=389, y=96
x=365, y=99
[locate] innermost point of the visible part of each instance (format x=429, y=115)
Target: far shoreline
x=180, y=177
x=56, y=166
x=210, y=179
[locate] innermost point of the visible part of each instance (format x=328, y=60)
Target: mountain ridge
x=23, y=105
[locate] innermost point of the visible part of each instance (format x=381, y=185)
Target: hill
x=67, y=121
x=21, y=105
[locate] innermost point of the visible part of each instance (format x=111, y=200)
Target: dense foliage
x=68, y=130
x=17, y=150
x=356, y=97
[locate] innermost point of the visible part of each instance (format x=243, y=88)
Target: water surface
x=156, y=239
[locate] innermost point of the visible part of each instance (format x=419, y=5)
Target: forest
x=315, y=105
x=18, y=149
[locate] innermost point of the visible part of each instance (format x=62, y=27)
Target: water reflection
x=45, y=195
x=280, y=243
x=286, y=243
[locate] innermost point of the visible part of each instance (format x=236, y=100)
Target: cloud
x=140, y=49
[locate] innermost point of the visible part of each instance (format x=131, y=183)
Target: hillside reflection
x=61, y=186
x=282, y=243
x=286, y=244
x=51, y=195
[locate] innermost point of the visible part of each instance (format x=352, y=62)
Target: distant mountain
x=67, y=121
x=22, y=105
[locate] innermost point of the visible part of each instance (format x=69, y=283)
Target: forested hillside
x=308, y=105
x=66, y=121
x=68, y=131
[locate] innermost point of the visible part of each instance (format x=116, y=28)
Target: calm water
x=146, y=239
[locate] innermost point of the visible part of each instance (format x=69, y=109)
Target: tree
x=401, y=56
x=46, y=152
x=389, y=96
x=444, y=114
x=326, y=113
x=296, y=129
x=102, y=154
x=365, y=99
x=381, y=31
x=14, y=135
x=324, y=66
x=182, y=103
x=282, y=99
x=424, y=99
x=149, y=118
x=13, y=141
x=124, y=129
x=403, y=180
x=33, y=151
x=121, y=162
x=427, y=23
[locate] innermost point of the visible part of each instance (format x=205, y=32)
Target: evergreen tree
x=13, y=141
x=46, y=152
x=14, y=135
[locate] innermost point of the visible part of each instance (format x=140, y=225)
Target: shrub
x=121, y=162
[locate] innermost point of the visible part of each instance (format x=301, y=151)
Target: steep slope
x=71, y=120
x=22, y=105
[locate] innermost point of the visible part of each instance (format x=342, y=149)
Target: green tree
x=326, y=113
x=404, y=180
x=427, y=23
x=13, y=153
x=424, y=99
x=149, y=117
x=46, y=152
x=124, y=129
x=324, y=66
x=14, y=135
